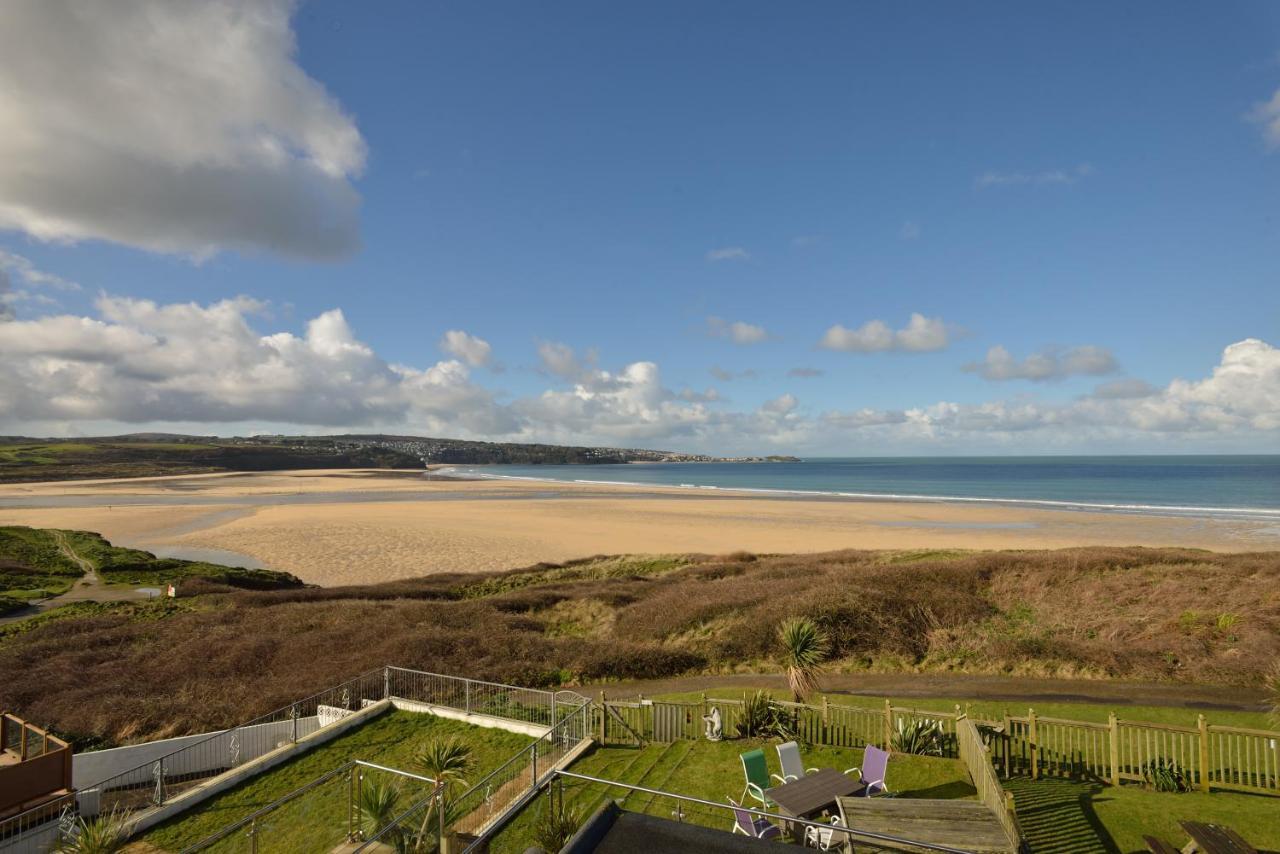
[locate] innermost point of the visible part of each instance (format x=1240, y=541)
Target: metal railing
x=154, y=782
x=476, y=812
x=688, y=809
x=60, y=809
x=316, y=817
x=474, y=696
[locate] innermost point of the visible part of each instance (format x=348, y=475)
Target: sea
x=1234, y=487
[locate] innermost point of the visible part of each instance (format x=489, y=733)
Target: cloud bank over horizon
x=138, y=362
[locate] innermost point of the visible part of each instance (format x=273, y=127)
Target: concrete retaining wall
x=533, y=730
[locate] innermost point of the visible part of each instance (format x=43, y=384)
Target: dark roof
x=615, y=831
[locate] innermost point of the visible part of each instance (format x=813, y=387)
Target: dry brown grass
x=220, y=657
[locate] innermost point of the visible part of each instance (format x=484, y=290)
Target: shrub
x=921, y=737
x=556, y=824
x=106, y=834
x=1166, y=775
x=762, y=717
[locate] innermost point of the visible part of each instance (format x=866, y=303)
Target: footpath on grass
x=89, y=588
x=1017, y=690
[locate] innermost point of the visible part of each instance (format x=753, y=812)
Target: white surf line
x=1261, y=514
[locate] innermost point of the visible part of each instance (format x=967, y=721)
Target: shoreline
x=1258, y=514
x=335, y=527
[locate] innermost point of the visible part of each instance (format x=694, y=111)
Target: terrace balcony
x=35, y=767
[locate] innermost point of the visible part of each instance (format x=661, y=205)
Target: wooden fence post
x=1113, y=733
x=604, y=715
x=826, y=711
x=1035, y=744
x=888, y=723
x=1008, y=745
x=1203, y=726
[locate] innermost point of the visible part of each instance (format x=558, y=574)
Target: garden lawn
x=1074, y=816
x=713, y=772
x=391, y=739
x=994, y=710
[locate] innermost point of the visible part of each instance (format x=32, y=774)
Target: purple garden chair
x=875, y=764
x=746, y=822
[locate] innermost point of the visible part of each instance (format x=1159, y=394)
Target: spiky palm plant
x=378, y=803
x=106, y=834
x=805, y=647
x=445, y=760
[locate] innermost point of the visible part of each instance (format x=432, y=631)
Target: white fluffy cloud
x=142, y=362
x=136, y=362
x=181, y=126
x=476, y=352
x=1000, y=364
x=739, y=332
x=920, y=334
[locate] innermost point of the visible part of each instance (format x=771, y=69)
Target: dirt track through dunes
x=366, y=527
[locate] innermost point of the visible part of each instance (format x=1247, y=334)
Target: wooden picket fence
x=1115, y=752
x=1119, y=751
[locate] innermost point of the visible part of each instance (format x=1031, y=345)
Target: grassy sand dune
x=1138, y=614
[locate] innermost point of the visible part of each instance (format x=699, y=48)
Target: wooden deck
x=967, y=825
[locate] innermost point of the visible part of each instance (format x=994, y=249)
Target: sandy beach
x=343, y=527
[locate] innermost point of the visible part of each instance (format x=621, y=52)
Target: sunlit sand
x=379, y=526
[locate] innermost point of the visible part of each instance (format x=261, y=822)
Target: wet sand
x=357, y=527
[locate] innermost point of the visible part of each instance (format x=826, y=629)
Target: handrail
x=474, y=681
x=866, y=834
x=298, y=792
x=550, y=736
x=222, y=732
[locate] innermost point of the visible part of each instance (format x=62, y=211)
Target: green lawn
x=1073, y=816
x=713, y=772
x=392, y=739
x=994, y=710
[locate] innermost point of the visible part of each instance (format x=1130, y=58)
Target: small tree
x=447, y=761
x=805, y=647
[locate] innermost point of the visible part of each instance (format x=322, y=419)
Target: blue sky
x=1090, y=185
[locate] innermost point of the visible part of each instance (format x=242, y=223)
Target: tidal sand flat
x=359, y=527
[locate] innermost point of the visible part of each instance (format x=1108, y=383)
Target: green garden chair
x=756, y=769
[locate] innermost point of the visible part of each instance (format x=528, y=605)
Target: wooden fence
x=1118, y=751
x=977, y=761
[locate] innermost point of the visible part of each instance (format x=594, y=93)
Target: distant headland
x=25, y=459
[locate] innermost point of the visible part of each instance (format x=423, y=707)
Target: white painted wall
x=89, y=769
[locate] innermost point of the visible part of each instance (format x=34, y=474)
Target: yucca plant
x=106, y=834
x=377, y=803
x=1166, y=775
x=763, y=718
x=922, y=737
x=805, y=647
x=555, y=825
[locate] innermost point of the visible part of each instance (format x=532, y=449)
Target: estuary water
x=1239, y=487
